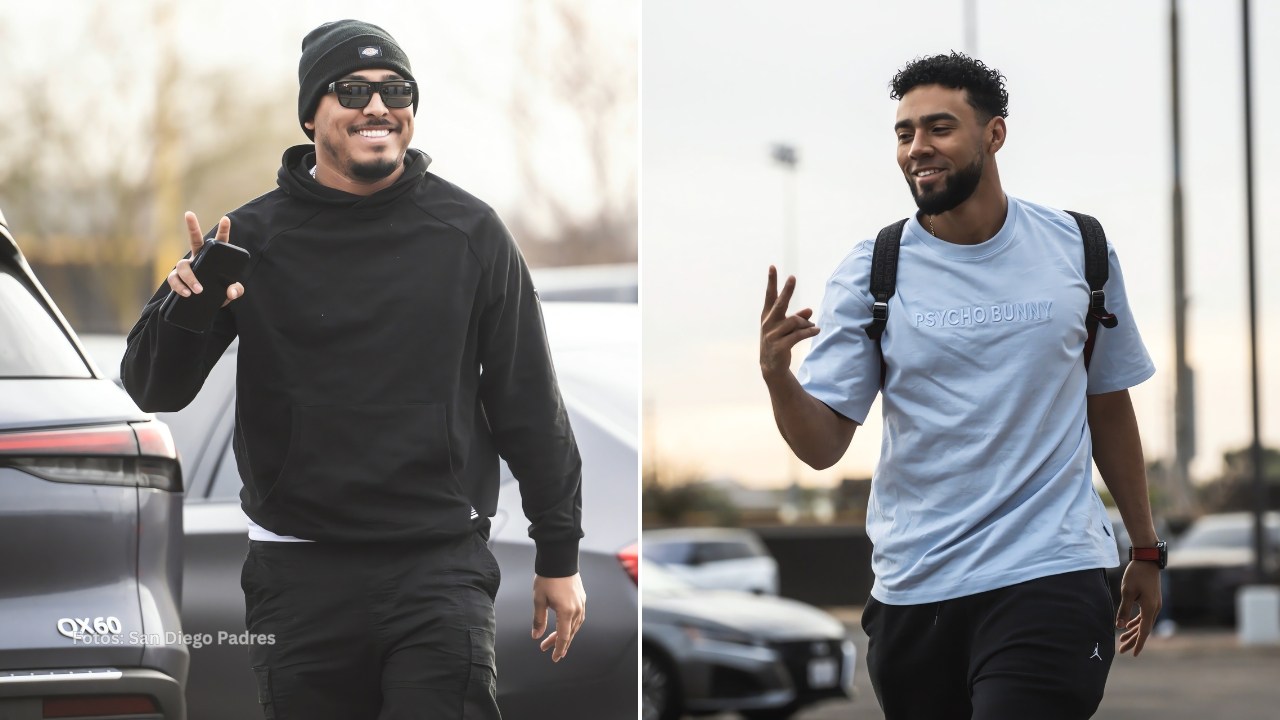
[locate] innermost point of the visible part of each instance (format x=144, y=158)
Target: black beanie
x=337, y=49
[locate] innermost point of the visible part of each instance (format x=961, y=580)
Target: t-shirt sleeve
x=1119, y=360
x=842, y=368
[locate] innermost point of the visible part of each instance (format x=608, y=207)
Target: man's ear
x=310, y=125
x=995, y=134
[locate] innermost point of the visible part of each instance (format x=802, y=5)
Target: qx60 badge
x=79, y=628
x=108, y=631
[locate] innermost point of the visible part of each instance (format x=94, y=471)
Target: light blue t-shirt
x=985, y=477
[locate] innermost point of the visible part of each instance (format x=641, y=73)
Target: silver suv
x=90, y=523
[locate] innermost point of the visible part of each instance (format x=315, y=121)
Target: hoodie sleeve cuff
x=557, y=558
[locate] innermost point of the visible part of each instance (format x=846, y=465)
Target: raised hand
x=181, y=279
x=780, y=332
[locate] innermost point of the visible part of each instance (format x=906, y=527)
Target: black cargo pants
x=373, y=631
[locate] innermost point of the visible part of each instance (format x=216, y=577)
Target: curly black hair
x=984, y=85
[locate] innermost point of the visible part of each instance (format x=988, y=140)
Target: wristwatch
x=1158, y=554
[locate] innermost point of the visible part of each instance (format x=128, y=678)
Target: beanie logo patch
x=370, y=51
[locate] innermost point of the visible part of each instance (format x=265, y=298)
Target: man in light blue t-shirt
x=989, y=539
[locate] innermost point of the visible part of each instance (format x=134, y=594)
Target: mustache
x=374, y=124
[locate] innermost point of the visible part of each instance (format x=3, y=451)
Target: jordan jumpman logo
x=1095, y=652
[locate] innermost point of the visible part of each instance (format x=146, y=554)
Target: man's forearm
x=817, y=434
x=163, y=366
x=1117, y=451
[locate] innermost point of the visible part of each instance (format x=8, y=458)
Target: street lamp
x=789, y=158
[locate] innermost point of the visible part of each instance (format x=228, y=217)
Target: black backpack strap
x=884, y=282
x=1095, y=273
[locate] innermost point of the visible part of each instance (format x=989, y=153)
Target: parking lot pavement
x=1196, y=674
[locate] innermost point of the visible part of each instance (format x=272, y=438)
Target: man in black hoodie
x=391, y=348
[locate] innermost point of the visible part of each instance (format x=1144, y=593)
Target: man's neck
x=973, y=221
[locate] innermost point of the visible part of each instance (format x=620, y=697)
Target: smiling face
x=943, y=146
x=361, y=150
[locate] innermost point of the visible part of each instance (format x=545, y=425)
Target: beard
x=375, y=170
x=369, y=171
x=958, y=188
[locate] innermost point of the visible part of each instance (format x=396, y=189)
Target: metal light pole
x=787, y=157
x=1184, y=434
x=1259, y=490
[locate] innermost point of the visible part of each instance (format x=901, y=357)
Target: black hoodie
x=391, y=347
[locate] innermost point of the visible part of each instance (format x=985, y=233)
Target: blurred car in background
x=1212, y=560
x=615, y=283
x=706, y=651
x=90, y=521
x=714, y=558
x=596, y=353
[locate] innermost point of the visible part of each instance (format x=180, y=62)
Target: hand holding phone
x=207, y=280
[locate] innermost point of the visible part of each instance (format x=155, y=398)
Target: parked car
x=596, y=353
x=715, y=558
x=90, y=518
x=707, y=651
x=1212, y=560
x=619, y=283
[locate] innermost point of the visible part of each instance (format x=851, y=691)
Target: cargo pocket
x=343, y=455
x=481, y=702
x=263, y=675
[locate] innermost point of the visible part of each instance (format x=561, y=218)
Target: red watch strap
x=1152, y=554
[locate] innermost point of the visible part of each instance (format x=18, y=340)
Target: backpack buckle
x=879, y=318
x=1097, y=308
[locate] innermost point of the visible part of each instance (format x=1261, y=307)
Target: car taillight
x=108, y=440
x=158, y=465
x=155, y=440
x=103, y=706
x=629, y=556
x=140, y=454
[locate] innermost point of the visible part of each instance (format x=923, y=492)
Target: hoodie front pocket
x=352, y=462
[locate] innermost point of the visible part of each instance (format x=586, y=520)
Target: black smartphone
x=217, y=266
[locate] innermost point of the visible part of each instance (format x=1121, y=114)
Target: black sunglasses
x=357, y=93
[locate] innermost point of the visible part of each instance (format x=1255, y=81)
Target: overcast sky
x=468, y=58
x=1089, y=130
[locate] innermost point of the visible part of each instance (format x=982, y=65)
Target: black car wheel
x=660, y=693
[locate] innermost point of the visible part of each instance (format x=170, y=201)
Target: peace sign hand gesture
x=181, y=279
x=780, y=332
